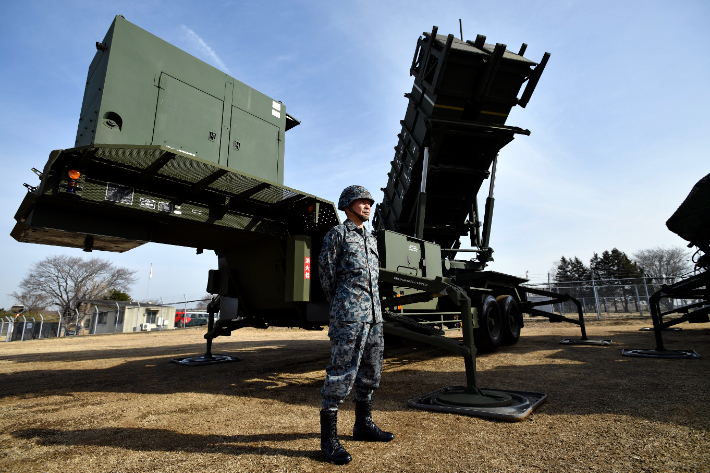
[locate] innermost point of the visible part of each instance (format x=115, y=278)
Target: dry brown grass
x=114, y=403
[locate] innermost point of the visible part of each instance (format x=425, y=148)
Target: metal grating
x=186, y=169
x=232, y=183
x=139, y=158
x=172, y=183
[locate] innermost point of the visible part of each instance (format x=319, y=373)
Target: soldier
x=349, y=268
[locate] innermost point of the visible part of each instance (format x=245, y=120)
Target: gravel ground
x=113, y=403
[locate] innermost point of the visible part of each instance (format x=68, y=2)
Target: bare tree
x=204, y=301
x=33, y=301
x=664, y=262
x=67, y=281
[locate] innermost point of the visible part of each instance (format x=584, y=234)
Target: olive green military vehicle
x=167, y=142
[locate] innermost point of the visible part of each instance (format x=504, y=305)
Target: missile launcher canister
x=458, y=107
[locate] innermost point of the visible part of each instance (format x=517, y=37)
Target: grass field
x=114, y=403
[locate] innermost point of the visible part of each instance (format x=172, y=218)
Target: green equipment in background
x=171, y=150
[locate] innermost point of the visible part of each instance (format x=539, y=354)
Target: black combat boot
x=364, y=428
x=329, y=443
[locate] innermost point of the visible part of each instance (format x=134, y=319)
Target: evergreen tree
x=116, y=295
x=622, y=265
x=577, y=270
x=563, y=270
x=606, y=266
x=595, y=267
x=614, y=265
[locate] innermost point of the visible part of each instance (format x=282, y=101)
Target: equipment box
x=408, y=255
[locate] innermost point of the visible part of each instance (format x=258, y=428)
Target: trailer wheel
x=489, y=334
x=512, y=319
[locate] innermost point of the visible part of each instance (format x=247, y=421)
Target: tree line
x=614, y=265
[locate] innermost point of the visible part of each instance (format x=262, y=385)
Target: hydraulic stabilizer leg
x=584, y=340
x=470, y=399
x=469, y=361
x=208, y=358
x=210, y=326
x=658, y=326
x=529, y=307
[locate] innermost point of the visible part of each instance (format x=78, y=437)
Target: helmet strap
x=362, y=218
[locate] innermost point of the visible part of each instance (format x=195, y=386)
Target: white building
x=120, y=316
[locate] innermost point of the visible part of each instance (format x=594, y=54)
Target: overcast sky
x=619, y=120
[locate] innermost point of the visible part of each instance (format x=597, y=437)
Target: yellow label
x=495, y=113
x=449, y=107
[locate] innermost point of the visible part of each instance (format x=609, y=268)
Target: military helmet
x=353, y=193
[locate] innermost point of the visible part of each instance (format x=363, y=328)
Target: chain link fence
x=35, y=327
x=98, y=320
x=608, y=298
x=28, y=328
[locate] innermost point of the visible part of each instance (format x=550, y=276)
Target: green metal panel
x=254, y=145
x=298, y=268
x=198, y=132
x=408, y=255
x=141, y=90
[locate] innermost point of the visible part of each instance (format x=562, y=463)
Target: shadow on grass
x=577, y=379
x=170, y=441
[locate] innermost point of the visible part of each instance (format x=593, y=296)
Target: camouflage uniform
x=348, y=266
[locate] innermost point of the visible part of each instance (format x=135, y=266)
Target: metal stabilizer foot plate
x=651, y=353
x=205, y=360
x=511, y=406
x=668, y=329
x=579, y=341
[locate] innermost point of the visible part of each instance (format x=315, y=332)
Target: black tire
x=512, y=319
x=489, y=334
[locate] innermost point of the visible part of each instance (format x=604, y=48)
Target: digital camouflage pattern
x=351, y=194
x=356, y=359
x=348, y=267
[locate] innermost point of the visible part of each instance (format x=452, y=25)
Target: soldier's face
x=362, y=207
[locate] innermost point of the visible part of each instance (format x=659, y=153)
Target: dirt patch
x=114, y=403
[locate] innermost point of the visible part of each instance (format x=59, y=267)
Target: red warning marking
x=307, y=268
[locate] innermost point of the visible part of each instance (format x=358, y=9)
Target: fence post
x=184, y=314
x=138, y=313
x=118, y=314
x=96, y=318
x=41, y=325
x=628, y=305
x=10, y=329
x=596, y=297
x=648, y=301
x=24, y=325
x=161, y=314
x=76, y=326
x=638, y=299
x=2, y=325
